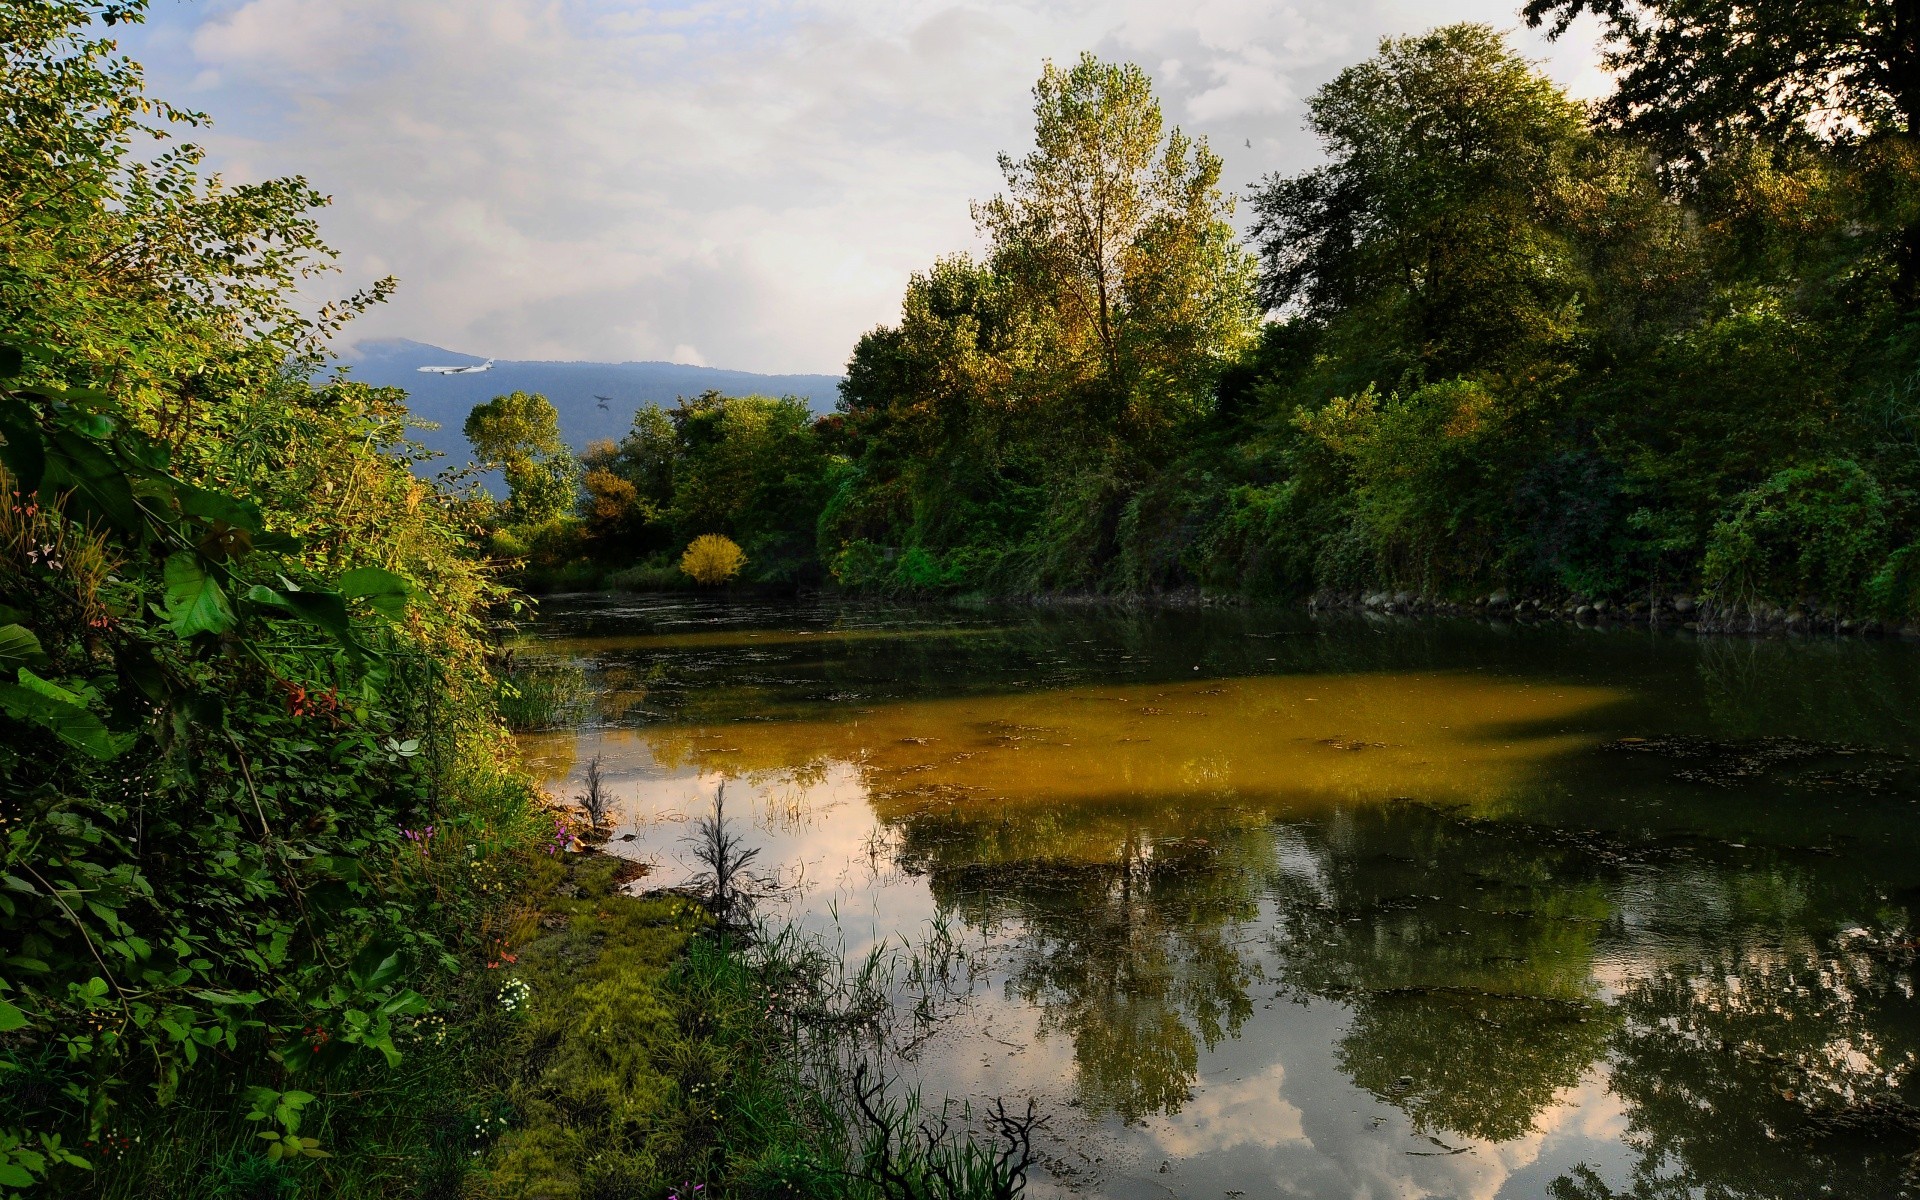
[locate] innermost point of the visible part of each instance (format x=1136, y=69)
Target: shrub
x=713, y=558
x=1812, y=530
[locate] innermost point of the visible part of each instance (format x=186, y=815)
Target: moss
x=598, y=1038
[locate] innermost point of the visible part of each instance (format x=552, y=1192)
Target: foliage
x=1440, y=220
x=1817, y=531
x=1512, y=347
x=751, y=470
x=541, y=693
x=712, y=558
x=1001, y=429
x=1696, y=76
x=242, y=649
x=660, y=1057
x=520, y=434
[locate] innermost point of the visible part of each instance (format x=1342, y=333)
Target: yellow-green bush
x=712, y=558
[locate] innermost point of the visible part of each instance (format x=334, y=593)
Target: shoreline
x=1680, y=613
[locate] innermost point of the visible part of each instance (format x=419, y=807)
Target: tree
x=1117, y=230
x=1696, y=75
x=749, y=467
x=1443, y=209
x=520, y=434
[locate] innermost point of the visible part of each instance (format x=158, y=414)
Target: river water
x=1257, y=904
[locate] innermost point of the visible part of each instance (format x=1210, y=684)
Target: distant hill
x=572, y=386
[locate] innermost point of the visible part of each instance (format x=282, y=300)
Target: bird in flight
x=604, y=401
x=485, y=366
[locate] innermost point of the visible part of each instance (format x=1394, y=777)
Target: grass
x=664, y=1052
x=543, y=693
x=609, y=1047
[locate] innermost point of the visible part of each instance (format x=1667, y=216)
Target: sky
x=744, y=185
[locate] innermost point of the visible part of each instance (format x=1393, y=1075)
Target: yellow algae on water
x=1151, y=753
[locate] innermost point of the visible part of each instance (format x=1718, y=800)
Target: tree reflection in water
x=1468, y=952
x=1134, y=960
x=1765, y=1070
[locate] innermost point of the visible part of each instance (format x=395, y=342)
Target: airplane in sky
x=485, y=366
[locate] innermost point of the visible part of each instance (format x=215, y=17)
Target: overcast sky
x=744, y=185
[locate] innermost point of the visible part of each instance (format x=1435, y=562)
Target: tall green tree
x=1002, y=428
x=519, y=433
x=1116, y=228
x=1443, y=211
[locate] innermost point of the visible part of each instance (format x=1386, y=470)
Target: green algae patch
x=589, y=974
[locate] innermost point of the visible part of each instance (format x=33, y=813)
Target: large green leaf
x=11, y=1018
x=22, y=448
x=101, y=485
x=217, y=506
x=19, y=647
x=325, y=610
x=58, y=710
x=195, y=603
x=384, y=590
x=49, y=689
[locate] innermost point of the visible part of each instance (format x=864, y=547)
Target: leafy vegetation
x=1497, y=341
x=712, y=558
x=264, y=845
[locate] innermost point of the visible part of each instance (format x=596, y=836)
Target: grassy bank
x=595, y=1045
x=658, y=1052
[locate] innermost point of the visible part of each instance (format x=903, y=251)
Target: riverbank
x=1677, y=612
x=657, y=1047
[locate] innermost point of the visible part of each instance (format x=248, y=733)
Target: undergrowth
x=664, y=1053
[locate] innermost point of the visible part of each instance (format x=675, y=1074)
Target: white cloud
x=598, y=179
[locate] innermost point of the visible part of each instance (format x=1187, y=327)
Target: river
x=1259, y=904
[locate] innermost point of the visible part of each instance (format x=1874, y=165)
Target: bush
x=1812, y=531
x=712, y=559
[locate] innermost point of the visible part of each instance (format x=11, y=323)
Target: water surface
x=1260, y=905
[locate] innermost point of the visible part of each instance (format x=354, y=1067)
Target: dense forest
x=1497, y=342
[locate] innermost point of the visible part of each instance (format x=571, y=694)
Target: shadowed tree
x=1698, y=75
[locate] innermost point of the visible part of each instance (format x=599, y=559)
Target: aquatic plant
x=731, y=890
x=541, y=693
x=595, y=801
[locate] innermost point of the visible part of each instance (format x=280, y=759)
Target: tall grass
x=543, y=693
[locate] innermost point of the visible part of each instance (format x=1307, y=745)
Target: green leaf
x=19, y=647
x=375, y=967
x=22, y=448
x=11, y=1018
x=102, y=485
x=15, y=1176
x=67, y=720
x=384, y=590
x=49, y=689
x=217, y=506
x=327, y=611
x=194, y=602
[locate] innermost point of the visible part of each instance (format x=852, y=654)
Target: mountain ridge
x=595, y=400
